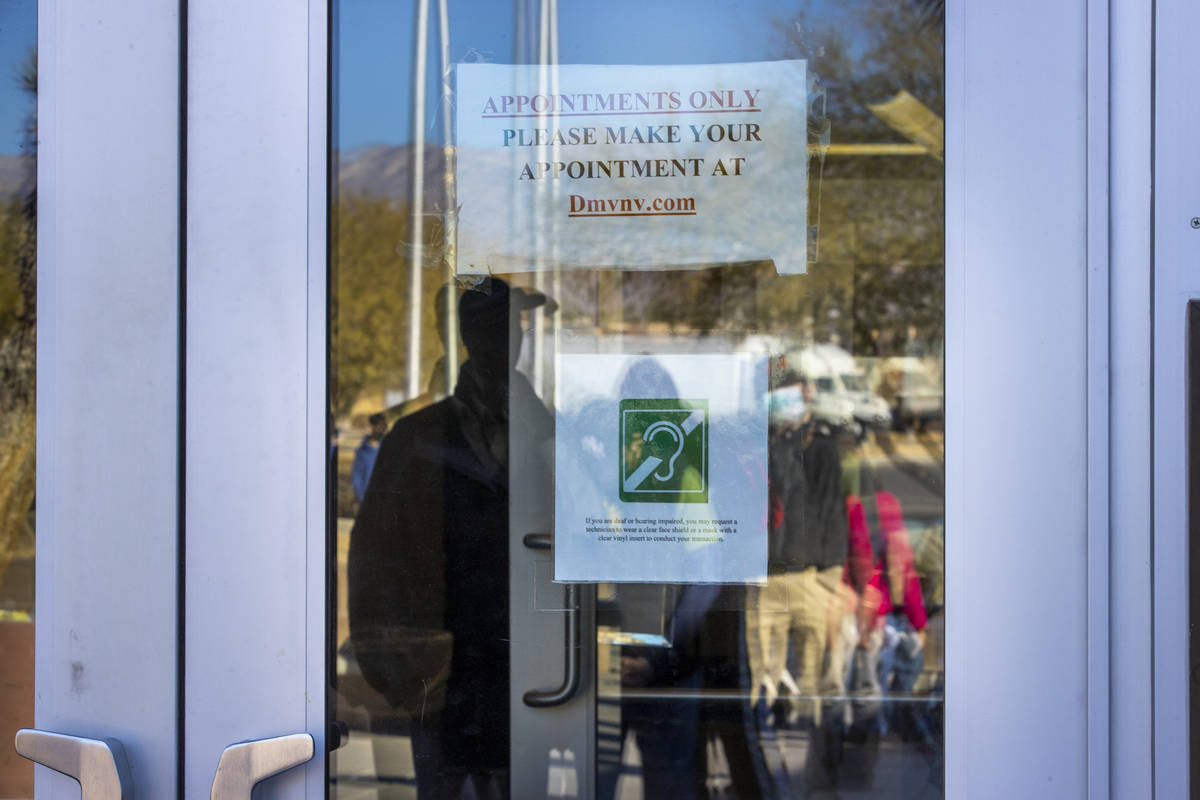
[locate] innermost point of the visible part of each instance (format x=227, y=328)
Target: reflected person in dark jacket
x=807, y=543
x=428, y=560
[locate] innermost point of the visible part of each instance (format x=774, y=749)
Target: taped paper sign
x=641, y=167
x=660, y=471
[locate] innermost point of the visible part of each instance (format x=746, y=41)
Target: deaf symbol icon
x=668, y=427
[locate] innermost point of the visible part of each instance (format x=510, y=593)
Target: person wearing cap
x=428, y=560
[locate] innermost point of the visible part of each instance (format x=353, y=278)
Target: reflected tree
x=18, y=345
x=371, y=279
x=877, y=284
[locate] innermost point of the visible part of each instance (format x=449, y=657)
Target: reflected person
x=679, y=699
x=790, y=619
x=428, y=561
x=364, y=456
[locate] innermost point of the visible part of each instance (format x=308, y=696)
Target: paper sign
x=660, y=469
x=648, y=167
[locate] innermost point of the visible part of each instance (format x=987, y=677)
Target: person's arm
x=914, y=602
x=860, y=560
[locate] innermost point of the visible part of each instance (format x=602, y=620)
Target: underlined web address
x=581, y=206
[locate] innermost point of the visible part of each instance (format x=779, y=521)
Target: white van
x=910, y=390
x=841, y=394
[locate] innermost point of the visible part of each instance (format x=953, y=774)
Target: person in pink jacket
x=891, y=613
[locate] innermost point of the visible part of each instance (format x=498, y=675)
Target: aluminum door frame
x=1026, y=533
x=1007, y=562
x=108, y=381
x=1125, y=760
x=255, y=646
x=1176, y=279
x=256, y=448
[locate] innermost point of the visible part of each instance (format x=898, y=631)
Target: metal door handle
x=538, y=541
x=545, y=698
x=99, y=765
x=244, y=764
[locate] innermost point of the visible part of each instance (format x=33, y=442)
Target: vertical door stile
x=254, y=583
x=107, y=370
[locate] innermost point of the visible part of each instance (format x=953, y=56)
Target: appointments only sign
x=647, y=167
x=661, y=471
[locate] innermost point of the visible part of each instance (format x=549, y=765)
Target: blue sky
x=375, y=43
x=375, y=46
x=18, y=35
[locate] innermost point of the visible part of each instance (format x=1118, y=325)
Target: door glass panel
x=18, y=322
x=491, y=640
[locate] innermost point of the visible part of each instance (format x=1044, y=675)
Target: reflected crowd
x=817, y=681
x=826, y=677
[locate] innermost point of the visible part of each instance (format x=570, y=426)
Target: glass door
x=566, y=402
x=636, y=386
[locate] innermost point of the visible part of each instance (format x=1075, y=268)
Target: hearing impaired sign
x=652, y=473
x=660, y=471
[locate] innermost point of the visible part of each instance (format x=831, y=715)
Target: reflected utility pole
x=547, y=263
x=450, y=213
x=412, y=366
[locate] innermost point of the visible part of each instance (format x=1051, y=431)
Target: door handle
x=244, y=764
x=99, y=765
x=546, y=698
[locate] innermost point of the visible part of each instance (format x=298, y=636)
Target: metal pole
x=546, y=244
x=556, y=262
x=417, y=202
x=450, y=213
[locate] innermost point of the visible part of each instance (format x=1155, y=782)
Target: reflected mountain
x=385, y=171
x=16, y=176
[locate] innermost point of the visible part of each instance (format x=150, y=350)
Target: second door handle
x=244, y=764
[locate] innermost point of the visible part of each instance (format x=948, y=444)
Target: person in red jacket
x=891, y=616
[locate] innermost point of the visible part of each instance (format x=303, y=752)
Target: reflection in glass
x=428, y=558
x=827, y=674
x=18, y=322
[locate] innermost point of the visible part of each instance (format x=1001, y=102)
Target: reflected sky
x=375, y=44
x=18, y=35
